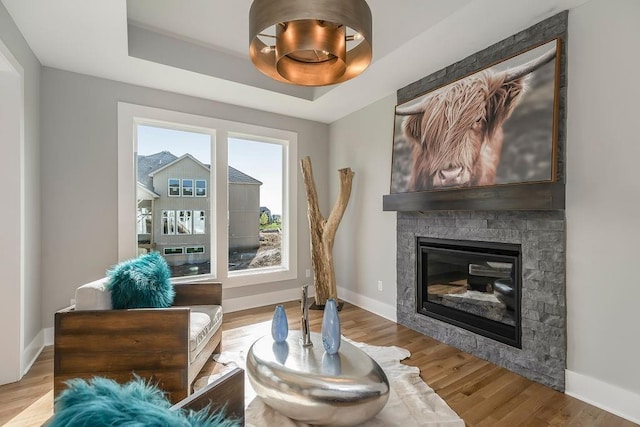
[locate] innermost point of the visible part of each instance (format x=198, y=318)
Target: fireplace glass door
x=474, y=285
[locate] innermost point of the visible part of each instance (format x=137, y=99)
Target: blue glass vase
x=331, y=327
x=331, y=364
x=280, y=351
x=279, y=324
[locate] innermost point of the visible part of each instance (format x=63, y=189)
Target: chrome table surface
x=309, y=385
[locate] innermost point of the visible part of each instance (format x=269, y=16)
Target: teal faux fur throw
x=143, y=282
x=102, y=402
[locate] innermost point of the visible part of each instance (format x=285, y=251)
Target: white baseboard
x=611, y=398
x=48, y=336
x=376, y=307
x=31, y=353
x=230, y=305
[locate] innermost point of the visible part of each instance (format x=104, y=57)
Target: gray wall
x=603, y=229
x=11, y=37
x=79, y=176
x=365, y=246
x=603, y=223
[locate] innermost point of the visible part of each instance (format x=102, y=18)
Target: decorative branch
x=323, y=230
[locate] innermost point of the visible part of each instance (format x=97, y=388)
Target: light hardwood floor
x=483, y=394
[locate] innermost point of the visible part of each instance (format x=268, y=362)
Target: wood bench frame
x=226, y=393
x=150, y=343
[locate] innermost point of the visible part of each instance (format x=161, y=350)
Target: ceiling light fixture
x=310, y=42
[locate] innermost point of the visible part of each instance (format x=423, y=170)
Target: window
x=187, y=188
x=255, y=193
x=174, y=187
x=144, y=221
x=201, y=188
x=198, y=212
x=198, y=222
x=168, y=222
x=184, y=222
x=177, y=157
x=173, y=251
x=195, y=249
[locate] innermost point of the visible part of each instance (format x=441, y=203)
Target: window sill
x=258, y=276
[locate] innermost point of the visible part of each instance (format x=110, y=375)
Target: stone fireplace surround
x=542, y=236
x=531, y=215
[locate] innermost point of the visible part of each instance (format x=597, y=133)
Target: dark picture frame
x=494, y=127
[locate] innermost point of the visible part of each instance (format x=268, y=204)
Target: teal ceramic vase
x=331, y=327
x=279, y=324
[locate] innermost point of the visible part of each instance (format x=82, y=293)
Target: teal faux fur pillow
x=142, y=282
x=101, y=402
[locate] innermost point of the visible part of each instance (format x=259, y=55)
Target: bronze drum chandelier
x=310, y=42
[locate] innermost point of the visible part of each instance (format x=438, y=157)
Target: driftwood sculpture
x=323, y=231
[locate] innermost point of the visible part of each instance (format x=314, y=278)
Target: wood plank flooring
x=482, y=394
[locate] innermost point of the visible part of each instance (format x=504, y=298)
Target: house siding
x=244, y=213
x=244, y=216
x=183, y=169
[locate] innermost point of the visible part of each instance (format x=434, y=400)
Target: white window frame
x=286, y=183
x=141, y=221
x=188, y=214
x=131, y=115
x=170, y=231
x=169, y=187
x=195, y=187
x=193, y=218
x=182, y=186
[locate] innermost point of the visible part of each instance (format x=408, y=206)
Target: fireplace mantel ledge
x=535, y=196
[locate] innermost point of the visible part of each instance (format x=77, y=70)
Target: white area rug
x=411, y=401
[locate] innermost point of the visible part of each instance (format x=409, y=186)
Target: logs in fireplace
x=470, y=284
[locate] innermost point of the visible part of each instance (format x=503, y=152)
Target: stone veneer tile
x=543, y=354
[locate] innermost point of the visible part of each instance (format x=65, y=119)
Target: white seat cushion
x=94, y=296
x=204, y=321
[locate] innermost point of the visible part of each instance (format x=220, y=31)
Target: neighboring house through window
x=155, y=168
x=193, y=205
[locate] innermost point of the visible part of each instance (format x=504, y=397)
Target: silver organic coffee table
x=308, y=385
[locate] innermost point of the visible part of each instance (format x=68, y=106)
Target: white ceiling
x=200, y=47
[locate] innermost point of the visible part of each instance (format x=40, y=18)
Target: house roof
x=237, y=177
x=179, y=159
x=151, y=164
x=144, y=193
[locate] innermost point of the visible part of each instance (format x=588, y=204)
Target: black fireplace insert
x=473, y=285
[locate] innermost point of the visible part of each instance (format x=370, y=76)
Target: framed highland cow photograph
x=497, y=126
